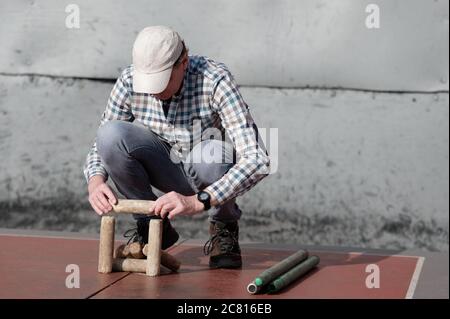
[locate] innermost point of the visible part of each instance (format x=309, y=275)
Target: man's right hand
x=101, y=197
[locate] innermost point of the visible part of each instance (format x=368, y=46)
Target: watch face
x=203, y=196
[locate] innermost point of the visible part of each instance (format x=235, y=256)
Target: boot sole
x=226, y=263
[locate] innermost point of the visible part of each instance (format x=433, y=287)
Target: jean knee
x=109, y=138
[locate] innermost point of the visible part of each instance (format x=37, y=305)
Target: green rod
x=276, y=270
x=293, y=274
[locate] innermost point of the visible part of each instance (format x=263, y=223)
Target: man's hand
x=173, y=204
x=101, y=197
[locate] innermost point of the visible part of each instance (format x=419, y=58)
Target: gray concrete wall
x=357, y=168
x=283, y=43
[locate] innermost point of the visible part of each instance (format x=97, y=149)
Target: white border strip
x=415, y=278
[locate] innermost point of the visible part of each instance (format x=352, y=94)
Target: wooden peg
x=106, y=247
x=154, y=247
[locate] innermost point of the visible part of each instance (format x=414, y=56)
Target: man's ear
x=185, y=62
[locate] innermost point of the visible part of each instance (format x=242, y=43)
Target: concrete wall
x=359, y=168
x=283, y=43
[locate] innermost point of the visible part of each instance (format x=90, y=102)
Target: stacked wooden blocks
x=129, y=257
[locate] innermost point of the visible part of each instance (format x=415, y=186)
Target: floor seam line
x=109, y=285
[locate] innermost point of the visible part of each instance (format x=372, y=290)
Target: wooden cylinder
x=130, y=264
x=167, y=260
x=154, y=247
x=122, y=251
x=134, y=206
x=106, y=247
x=135, y=250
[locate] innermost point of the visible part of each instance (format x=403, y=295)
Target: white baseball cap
x=155, y=51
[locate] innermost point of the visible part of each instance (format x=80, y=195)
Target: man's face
x=176, y=79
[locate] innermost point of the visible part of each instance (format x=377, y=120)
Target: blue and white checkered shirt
x=210, y=96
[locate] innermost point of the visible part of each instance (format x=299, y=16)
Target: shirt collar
x=183, y=87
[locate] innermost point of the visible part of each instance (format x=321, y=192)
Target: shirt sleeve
x=252, y=158
x=117, y=108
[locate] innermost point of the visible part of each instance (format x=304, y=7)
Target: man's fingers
x=102, y=203
x=157, y=208
x=167, y=208
x=99, y=197
x=106, y=205
x=93, y=203
x=97, y=211
x=152, y=208
x=109, y=193
x=165, y=204
x=178, y=210
x=105, y=202
x=95, y=207
x=160, y=202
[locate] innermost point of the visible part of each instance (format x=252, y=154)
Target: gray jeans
x=137, y=159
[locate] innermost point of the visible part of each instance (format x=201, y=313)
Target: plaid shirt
x=210, y=96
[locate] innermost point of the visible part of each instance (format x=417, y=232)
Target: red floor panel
x=339, y=275
x=35, y=267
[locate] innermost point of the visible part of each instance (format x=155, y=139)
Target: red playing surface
x=34, y=267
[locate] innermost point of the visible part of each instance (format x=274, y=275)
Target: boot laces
x=224, y=238
x=132, y=235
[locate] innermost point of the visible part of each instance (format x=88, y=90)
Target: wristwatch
x=205, y=198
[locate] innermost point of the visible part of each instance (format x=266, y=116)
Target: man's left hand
x=173, y=204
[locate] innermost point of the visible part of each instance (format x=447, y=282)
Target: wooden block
x=135, y=265
x=154, y=247
x=106, y=247
x=122, y=251
x=130, y=264
x=167, y=260
x=134, y=206
x=135, y=250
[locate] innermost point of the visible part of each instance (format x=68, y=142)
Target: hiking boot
x=223, y=245
x=140, y=233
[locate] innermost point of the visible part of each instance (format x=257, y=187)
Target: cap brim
x=151, y=83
